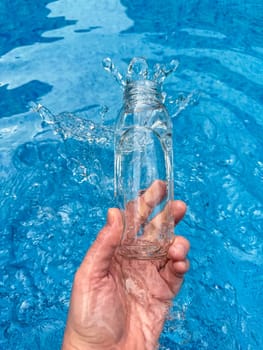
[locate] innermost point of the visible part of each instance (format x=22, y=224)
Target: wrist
x=145, y=323
x=138, y=342
x=145, y=327
x=71, y=341
x=135, y=340
x=74, y=341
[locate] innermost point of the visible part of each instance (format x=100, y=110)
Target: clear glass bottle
x=144, y=171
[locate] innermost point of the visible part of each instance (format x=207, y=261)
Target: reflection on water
x=56, y=178
x=14, y=27
x=75, y=79
x=15, y=101
x=239, y=23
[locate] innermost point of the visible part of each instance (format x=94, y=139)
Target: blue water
x=56, y=179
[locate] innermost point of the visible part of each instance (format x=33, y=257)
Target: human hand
x=119, y=303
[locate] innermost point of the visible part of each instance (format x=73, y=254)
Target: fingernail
x=110, y=218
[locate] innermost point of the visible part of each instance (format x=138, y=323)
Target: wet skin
x=119, y=303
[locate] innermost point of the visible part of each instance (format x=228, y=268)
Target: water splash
x=73, y=126
x=182, y=102
x=46, y=115
x=110, y=67
x=68, y=128
x=138, y=69
x=162, y=71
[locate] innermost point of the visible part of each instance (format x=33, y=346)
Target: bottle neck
x=142, y=94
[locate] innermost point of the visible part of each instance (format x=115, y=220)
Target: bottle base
x=143, y=250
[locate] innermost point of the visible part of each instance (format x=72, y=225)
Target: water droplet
x=137, y=69
x=107, y=64
x=110, y=67
x=47, y=117
x=102, y=112
x=162, y=71
x=182, y=102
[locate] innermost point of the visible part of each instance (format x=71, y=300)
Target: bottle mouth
x=146, y=85
x=142, y=93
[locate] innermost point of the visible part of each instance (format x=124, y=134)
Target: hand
x=119, y=303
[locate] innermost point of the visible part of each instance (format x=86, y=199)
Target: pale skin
x=119, y=303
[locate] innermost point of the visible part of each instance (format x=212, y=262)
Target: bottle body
x=144, y=172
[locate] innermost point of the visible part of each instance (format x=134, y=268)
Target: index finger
x=138, y=210
x=172, y=213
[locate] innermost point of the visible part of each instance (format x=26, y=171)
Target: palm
x=106, y=304
x=115, y=298
x=100, y=302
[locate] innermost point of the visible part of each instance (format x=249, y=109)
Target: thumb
x=98, y=258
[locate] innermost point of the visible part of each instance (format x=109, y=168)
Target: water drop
x=110, y=67
x=182, y=102
x=107, y=64
x=102, y=112
x=162, y=71
x=137, y=69
x=47, y=117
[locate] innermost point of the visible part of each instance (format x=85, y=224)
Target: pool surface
x=56, y=179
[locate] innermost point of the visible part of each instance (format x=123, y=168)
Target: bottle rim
x=142, y=93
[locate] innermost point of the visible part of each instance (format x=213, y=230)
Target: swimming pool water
x=56, y=180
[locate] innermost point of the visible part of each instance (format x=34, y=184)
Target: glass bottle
x=144, y=171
